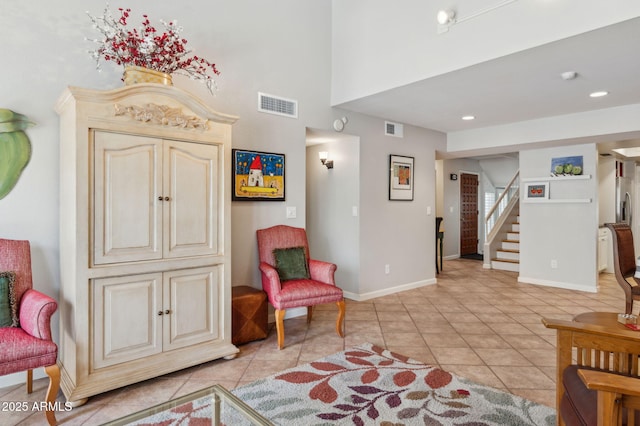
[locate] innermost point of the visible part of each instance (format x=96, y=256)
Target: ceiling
x=523, y=86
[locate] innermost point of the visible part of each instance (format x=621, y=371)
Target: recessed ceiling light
x=469, y=117
x=599, y=94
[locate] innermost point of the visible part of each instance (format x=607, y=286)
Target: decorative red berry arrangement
x=147, y=47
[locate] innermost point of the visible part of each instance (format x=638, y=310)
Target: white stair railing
x=500, y=206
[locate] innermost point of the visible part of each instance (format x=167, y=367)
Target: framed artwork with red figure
x=257, y=176
x=536, y=191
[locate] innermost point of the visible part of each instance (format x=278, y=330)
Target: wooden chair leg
x=340, y=320
x=629, y=306
x=609, y=409
x=280, y=327
x=309, y=314
x=29, y=381
x=53, y=371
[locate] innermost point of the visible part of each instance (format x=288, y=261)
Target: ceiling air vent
x=275, y=105
x=393, y=129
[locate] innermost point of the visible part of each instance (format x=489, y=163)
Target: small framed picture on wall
x=400, y=178
x=536, y=191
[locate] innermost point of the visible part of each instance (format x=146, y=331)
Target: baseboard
x=557, y=284
x=291, y=313
x=21, y=377
x=387, y=291
x=302, y=311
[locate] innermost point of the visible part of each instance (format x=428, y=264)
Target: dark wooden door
x=468, y=213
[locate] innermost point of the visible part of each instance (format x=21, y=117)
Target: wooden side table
x=606, y=319
x=248, y=314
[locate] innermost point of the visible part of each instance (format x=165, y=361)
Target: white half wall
x=558, y=238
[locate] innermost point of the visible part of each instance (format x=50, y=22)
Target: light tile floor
x=477, y=323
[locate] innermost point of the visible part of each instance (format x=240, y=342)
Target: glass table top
x=214, y=402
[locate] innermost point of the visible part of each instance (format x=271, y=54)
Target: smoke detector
x=569, y=75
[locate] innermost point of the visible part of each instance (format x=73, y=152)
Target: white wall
x=565, y=232
x=611, y=124
x=606, y=190
x=400, y=234
x=396, y=233
x=440, y=188
x=332, y=194
x=500, y=169
x=367, y=60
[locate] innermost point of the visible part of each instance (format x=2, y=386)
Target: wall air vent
x=276, y=105
x=393, y=129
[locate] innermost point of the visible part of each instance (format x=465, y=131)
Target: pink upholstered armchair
x=317, y=287
x=28, y=345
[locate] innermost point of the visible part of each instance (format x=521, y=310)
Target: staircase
x=508, y=255
x=502, y=230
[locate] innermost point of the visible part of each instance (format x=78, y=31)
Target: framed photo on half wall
x=400, y=178
x=536, y=192
x=257, y=176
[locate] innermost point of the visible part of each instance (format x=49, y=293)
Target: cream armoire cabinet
x=144, y=236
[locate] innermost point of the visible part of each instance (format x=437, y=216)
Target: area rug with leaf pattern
x=368, y=385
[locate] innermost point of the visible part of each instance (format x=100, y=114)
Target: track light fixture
x=446, y=17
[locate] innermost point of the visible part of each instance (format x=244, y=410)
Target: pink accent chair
x=320, y=288
x=29, y=345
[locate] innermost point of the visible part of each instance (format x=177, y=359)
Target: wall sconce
x=323, y=159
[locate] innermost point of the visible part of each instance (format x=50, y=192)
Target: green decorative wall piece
x=15, y=148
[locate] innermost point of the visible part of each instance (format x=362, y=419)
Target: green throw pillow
x=291, y=263
x=8, y=305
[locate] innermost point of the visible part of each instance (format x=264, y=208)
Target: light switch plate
x=291, y=213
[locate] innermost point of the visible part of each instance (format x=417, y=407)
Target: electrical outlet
x=387, y=269
x=554, y=264
x=291, y=213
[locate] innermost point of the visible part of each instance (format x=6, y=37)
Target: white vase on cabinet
x=144, y=236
